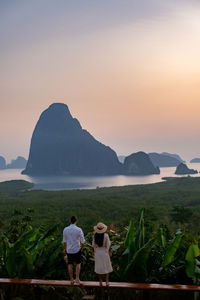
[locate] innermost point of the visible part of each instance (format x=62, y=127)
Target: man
x=73, y=239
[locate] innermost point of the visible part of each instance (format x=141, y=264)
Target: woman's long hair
x=98, y=238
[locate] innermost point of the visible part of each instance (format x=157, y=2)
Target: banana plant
x=4, y=248
x=161, y=239
x=193, y=265
x=133, y=263
x=172, y=248
x=166, y=257
x=24, y=257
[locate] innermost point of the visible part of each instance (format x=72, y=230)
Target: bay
x=89, y=182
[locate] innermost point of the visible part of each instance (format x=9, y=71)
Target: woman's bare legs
x=100, y=280
x=107, y=279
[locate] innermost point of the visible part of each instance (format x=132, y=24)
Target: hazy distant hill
x=59, y=145
x=139, y=164
x=14, y=186
x=173, y=155
x=18, y=163
x=195, y=160
x=2, y=163
x=162, y=160
x=182, y=169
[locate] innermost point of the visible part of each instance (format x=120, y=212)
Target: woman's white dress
x=102, y=257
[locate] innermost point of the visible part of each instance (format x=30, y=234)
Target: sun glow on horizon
x=133, y=81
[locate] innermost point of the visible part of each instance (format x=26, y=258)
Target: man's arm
x=65, y=247
x=82, y=240
x=64, y=241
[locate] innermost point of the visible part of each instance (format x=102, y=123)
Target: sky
x=128, y=70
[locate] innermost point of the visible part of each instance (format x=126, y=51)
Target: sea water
x=90, y=182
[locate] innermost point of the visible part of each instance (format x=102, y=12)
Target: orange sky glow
x=134, y=84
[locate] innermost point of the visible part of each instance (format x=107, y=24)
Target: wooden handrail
x=124, y=285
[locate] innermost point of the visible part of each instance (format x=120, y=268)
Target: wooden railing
x=93, y=284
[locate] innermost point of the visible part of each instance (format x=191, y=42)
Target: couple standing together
x=73, y=240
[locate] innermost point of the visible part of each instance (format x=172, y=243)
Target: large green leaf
x=43, y=241
x=53, y=258
x=50, y=232
x=161, y=237
x=171, y=250
x=137, y=267
x=4, y=247
x=37, y=236
x=19, y=260
x=19, y=263
x=129, y=241
x=44, y=256
x=191, y=261
x=130, y=234
x=24, y=239
x=140, y=233
x=124, y=260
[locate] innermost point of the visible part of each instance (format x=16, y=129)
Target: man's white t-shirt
x=72, y=236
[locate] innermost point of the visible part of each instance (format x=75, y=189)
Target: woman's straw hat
x=100, y=228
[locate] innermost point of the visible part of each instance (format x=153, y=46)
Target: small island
x=2, y=163
x=182, y=169
x=139, y=164
x=195, y=160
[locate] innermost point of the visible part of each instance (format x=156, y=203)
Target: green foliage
x=192, y=266
x=192, y=263
x=148, y=255
x=134, y=258
x=25, y=257
x=30, y=244
x=129, y=241
x=140, y=233
x=18, y=224
x=180, y=214
x=171, y=250
x=161, y=240
x=114, y=205
x=14, y=186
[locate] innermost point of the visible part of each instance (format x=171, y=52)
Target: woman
x=101, y=246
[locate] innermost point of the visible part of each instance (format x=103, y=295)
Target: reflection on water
x=88, y=182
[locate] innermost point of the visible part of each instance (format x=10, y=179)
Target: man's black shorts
x=74, y=258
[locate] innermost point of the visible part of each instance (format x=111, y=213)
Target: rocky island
x=173, y=155
x=139, y=164
x=18, y=163
x=182, y=169
x=59, y=146
x=195, y=160
x=163, y=160
x=2, y=163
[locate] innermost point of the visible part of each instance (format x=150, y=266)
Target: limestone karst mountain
x=177, y=156
x=18, y=163
x=60, y=146
x=182, y=169
x=2, y=163
x=163, y=160
x=139, y=164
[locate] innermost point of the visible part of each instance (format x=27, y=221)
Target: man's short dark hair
x=73, y=219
